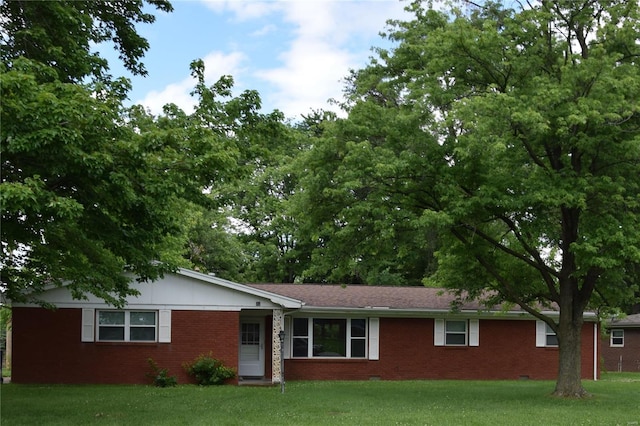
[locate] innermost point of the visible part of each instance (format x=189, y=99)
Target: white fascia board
x=621, y=326
x=284, y=301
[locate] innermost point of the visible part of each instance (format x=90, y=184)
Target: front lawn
x=615, y=400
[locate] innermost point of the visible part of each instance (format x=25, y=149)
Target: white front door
x=251, y=348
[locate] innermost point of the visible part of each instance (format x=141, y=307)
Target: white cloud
x=324, y=39
x=319, y=57
x=267, y=29
x=242, y=9
x=311, y=74
x=216, y=65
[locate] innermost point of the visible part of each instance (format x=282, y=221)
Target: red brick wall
x=507, y=351
x=47, y=348
x=630, y=353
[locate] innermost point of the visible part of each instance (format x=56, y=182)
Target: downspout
x=595, y=351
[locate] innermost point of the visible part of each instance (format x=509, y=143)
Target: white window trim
x=371, y=338
x=611, y=337
x=472, y=332
x=90, y=326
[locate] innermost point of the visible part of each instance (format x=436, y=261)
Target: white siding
x=175, y=292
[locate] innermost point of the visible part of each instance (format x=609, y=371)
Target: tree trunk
x=569, y=382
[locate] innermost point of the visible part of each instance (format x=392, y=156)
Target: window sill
x=125, y=343
x=329, y=359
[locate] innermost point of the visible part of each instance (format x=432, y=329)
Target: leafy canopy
x=512, y=135
x=90, y=188
x=61, y=34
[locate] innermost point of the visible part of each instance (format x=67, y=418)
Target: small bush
x=209, y=371
x=160, y=376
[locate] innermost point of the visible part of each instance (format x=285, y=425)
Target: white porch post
x=276, y=361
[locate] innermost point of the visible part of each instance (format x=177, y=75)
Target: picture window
x=329, y=337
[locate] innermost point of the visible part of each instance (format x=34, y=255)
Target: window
x=301, y=337
x=545, y=336
x=329, y=337
x=456, y=332
x=127, y=326
x=550, y=336
x=250, y=334
x=617, y=338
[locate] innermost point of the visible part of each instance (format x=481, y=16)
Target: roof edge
x=396, y=312
x=278, y=299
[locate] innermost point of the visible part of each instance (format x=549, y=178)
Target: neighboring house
x=621, y=344
x=330, y=332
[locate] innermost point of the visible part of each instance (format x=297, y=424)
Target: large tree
x=359, y=233
x=517, y=134
x=90, y=188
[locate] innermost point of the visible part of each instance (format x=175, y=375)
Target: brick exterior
x=507, y=351
x=47, y=348
x=626, y=358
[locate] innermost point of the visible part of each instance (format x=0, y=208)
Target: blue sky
x=295, y=53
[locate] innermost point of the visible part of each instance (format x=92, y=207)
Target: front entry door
x=251, y=348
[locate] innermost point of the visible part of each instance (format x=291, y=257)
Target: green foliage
x=509, y=135
x=90, y=188
x=207, y=370
x=5, y=323
x=160, y=376
x=76, y=208
x=60, y=34
x=357, y=230
x=266, y=232
x=212, y=245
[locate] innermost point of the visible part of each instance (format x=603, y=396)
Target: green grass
x=615, y=401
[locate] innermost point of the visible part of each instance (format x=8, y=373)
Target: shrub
x=160, y=376
x=209, y=371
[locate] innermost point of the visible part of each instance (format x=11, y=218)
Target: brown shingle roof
x=363, y=296
x=628, y=321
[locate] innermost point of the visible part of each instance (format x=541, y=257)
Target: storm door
x=251, y=348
